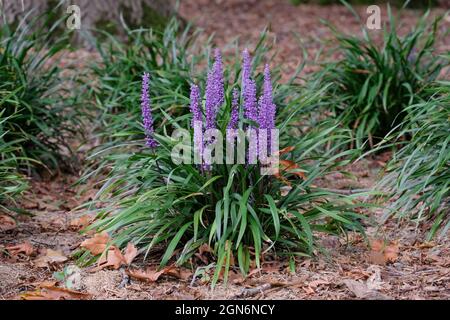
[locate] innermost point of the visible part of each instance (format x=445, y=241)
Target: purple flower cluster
x=147, y=113
x=260, y=113
x=214, y=91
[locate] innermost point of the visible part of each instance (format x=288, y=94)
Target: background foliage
x=418, y=176
x=372, y=85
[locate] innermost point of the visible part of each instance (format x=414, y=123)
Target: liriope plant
x=161, y=204
x=38, y=112
x=12, y=183
x=372, y=85
x=418, y=176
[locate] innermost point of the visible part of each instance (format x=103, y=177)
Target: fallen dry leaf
x=25, y=248
x=358, y=288
x=115, y=259
x=51, y=257
x=81, y=222
x=308, y=290
x=54, y=293
x=7, y=223
x=236, y=277
x=180, y=273
x=376, y=257
x=316, y=283
x=381, y=252
x=205, y=248
x=289, y=167
x=130, y=253
x=204, y=251
x=29, y=204
x=391, y=252
x=112, y=258
x=150, y=275
x=361, y=291
x=377, y=245
x=286, y=150
x=56, y=224
x=97, y=244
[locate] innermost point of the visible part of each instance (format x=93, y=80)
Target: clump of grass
x=12, y=183
x=418, y=176
x=372, y=86
x=38, y=114
x=175, y=208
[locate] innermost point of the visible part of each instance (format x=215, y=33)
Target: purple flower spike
x=267, y=108
x=214, y=91
x=250, y=106
x=197, y=123
x=218, y=71
x=147, y=113
x=251, y=113
x=234, y=119
x=246, y=68
x=195, y=104
x=209, y=104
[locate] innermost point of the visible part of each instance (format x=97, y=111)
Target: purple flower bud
x=246, y=68
x=197, y=123
x=195, y=104
x=251, y=113
x=250, y=106
x=218, y=71
x=267, y=108
x=147, y=113
x=214, y=91
x=234, y=118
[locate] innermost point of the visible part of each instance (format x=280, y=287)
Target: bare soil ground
x=400, y=264
x=407, y=268
x=294, y=27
